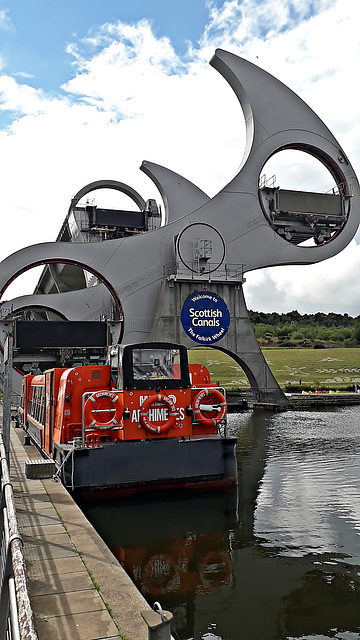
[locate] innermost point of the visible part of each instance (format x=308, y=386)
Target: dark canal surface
x=278, y=559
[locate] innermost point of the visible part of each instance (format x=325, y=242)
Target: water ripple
x=309, y=497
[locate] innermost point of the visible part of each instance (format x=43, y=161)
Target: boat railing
x=85, y=396
x=16, y=615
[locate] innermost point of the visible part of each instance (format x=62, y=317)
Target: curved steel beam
x=108, y=184
x=82, y=304
x=46, y=253
x=179, y=194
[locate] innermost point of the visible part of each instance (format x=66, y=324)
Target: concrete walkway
x=78, y=589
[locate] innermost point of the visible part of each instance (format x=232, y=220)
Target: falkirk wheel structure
x=182, y=280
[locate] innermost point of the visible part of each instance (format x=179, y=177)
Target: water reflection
x=280, y=560
x=169, y=543
x=175, y=548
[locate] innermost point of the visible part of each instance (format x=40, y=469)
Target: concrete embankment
x=237, y=401
x=297, y=401
x=78, y=589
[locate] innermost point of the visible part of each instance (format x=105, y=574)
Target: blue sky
x=90, y=89
x=36, y=32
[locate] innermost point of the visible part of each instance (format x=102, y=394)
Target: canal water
x=277, y=559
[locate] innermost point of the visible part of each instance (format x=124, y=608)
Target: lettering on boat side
x=158, y=414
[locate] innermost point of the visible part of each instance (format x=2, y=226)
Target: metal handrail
x=17, y=620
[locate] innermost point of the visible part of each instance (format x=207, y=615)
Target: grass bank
x=335, y=368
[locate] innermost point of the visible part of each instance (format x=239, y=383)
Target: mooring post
x=158, y=622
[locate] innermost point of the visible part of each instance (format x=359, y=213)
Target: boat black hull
x=144, y=464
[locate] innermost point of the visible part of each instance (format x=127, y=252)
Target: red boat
x=146, y=419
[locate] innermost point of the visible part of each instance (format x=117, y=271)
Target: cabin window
x=34, y=407
x=31, y=401
x=156, y=364
x=36, y=403
x=42, y=407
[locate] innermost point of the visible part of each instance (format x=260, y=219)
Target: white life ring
x=115, y=406
x=144, y=413
x=209, y=422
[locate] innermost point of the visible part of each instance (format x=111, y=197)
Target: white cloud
x=21, y=98
x=133, y=98
x=24, y=74
x=5, y=20
x=130, y=75
x=331, y=285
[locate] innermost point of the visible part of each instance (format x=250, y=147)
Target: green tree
x=357, y=333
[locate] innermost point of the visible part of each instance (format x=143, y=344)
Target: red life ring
x=89, y=409
x=209, y=422
x=144, y=413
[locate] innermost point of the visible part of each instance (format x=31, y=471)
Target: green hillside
x=328, y=368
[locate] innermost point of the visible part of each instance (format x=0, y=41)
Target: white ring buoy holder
x=116, y=407
x=144, y=413
x=209, y=422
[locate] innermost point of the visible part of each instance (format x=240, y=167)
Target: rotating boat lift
x=183, y=281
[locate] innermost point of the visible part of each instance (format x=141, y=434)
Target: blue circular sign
x=205, y=317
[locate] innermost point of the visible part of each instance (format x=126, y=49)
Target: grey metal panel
x=316, y=203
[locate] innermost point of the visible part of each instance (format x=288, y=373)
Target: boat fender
x=144, y=413
x=115, y=406
x=209, y=422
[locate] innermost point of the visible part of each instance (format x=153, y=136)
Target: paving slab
x=63, y=583
x=23, y=505
x=52, y=547
x=28, y=517
x=81, y=626
x=54, y=566
x=42, y=530
x=35, y=496
x=60, y=604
